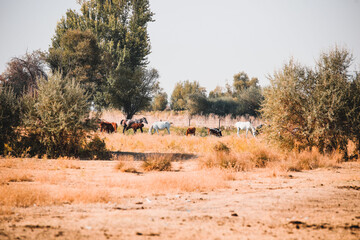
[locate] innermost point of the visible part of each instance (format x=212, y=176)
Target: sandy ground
x=316, y=204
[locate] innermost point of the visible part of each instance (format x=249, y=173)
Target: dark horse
x=136, y=126
x=128, y=122
x=214, y=131
x=106, y=127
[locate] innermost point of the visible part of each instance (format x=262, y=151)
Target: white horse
x=245, y=126
x=159, y=125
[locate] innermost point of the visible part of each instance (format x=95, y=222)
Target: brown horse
x=126, y=123
x=115, y=126
x=190, y=130
x=106, y=127
x=136, y=126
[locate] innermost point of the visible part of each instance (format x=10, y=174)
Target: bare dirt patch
x=94, y=200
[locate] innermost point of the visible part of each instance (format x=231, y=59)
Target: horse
x=106, y=127
x=214, y=131
x=245, y=126
x=136, y=126
x=190, y=130
x=160, y=125
x=126, y=123
x=115, y=126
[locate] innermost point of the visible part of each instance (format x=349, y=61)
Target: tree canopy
x=22, y=72
x=314, y=107
x=122, y=46
x=182, y=92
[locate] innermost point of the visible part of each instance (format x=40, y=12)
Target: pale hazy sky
x=207, y=40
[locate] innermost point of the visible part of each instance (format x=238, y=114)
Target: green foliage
x=244, y=98
x=119, y=26
x=57, y=116
x=308, y=108
x=182, y=92
x=132, y=91
x=353, y=112
x=78, y=56
x=96, y=150
x=159, y=102
x=9, y=116
x=242, y=82
x=249, y=101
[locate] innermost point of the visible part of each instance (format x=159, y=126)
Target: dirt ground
x=315, y=204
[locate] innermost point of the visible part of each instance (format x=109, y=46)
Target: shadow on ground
x=142, y=156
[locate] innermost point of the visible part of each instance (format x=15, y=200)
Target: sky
x=208, y=41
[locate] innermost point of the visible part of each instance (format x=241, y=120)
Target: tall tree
x=132, y=91
x=22, y=72
x=120, y=27
x=78, y=56
x=241, y=81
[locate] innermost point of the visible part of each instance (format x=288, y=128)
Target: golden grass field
x=209, y=188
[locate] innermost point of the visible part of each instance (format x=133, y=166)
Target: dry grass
x=24, y=196
x=157, y=163
x=25, y=182
x=308, y=160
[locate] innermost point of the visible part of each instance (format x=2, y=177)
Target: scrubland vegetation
x=53, y=156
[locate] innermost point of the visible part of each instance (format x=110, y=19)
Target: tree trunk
x=189, y=121
x=219, y=122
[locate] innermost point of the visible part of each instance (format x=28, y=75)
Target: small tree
x=223, y=107
x=59, y=116
x=182, y=92
x=132, y=91
x=22, y=72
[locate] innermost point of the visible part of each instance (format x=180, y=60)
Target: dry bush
x=263, y=155
x=157, y=163
x=221, y=147
x=308, y=160
x=230, y=161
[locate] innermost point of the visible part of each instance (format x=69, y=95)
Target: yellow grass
x=25, y=182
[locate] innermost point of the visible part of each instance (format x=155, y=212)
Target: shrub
x=221, y=147
x=313, y=107
x=9, y=116
x=58, y=116
x=157, y=163
x=96, y=149
x=230, y=161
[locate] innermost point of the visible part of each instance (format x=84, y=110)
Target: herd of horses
x=110, y=127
